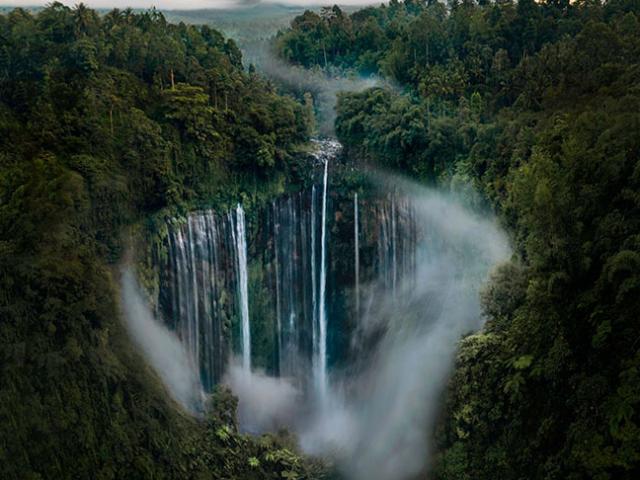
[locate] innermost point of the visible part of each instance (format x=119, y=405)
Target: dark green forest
x=104, y=122
x=537, y=104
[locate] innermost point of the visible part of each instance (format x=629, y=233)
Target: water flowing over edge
x=243, y=289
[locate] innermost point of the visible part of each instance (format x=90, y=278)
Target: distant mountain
x=248, y=11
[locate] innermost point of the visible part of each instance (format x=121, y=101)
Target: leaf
x=223, y=433
x=523, y=362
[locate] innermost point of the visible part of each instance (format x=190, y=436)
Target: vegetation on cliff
x=535, y=104
x=105, y=120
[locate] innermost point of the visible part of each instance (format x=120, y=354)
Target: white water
x=279, y=341
x=314, y=287
x=195, y=327
x=243, y=288
x=321, y=373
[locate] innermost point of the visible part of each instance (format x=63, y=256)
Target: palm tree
x=84, y=19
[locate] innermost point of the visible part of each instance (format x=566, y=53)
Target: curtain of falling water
x=314, y=278
x=240, y=241
x=356, y=253
x=196, y=277
x=396, y=240
x=206, y=285
x=206, y=280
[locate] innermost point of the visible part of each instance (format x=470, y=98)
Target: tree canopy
x=536, y=105
x=105, y=120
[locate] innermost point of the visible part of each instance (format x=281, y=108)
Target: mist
x=321, y=84
x=379, y=417
x=264, y=403
x=162, y=348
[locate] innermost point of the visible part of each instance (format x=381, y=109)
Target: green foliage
x=106, y=121
x=232, y=455
x=536, y=105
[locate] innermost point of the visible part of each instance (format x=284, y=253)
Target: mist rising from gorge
x=379, y=416
x=377, y=419
x=162, y=348
x=381, y=428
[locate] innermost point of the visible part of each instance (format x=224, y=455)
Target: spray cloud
x=162, y=348
x=379, y=415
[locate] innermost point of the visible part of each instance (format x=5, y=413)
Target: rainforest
x=347, y=242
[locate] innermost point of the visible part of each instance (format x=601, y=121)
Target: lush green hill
x=537, y=105
x=104, y=122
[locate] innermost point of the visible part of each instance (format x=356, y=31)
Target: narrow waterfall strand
x=314, y=281
x=241, y=246
x=322, y=330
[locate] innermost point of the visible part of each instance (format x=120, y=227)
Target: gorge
x=343, y=306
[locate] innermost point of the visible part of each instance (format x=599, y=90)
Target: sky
x=177, y=4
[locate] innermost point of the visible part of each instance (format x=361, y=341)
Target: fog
x=162, y=348
x=264, y=403
x=322, y=84
x=389, y=419
x=379, y=417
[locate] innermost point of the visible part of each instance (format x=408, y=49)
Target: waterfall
x=192, y=287
x=243, y=288
x=303, y=321
x=391, y=359
x=207, y=299
x=396, y=240
x=288, y=225
x=357, y=310
x=394, y=250
x=321, y=362
x=276, y=235
x=314, y=281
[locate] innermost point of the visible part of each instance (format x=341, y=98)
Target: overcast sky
x=178, y=4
